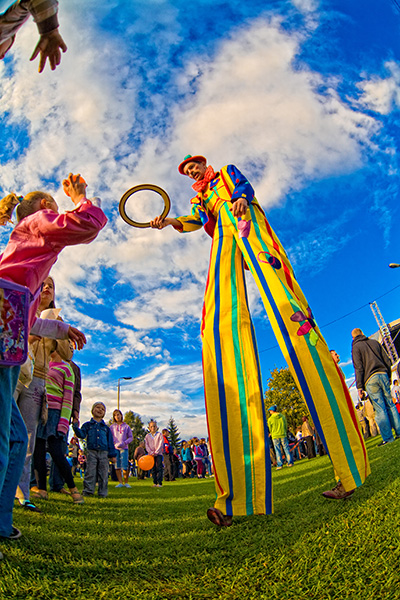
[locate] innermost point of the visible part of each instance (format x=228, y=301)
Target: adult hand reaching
x=49, y=46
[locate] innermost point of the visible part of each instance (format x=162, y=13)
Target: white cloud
x=382, y=94
x=160, y=393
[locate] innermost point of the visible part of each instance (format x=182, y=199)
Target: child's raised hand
x=75, y=187
x=77, y=337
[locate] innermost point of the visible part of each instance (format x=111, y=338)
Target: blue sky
x=303, y=96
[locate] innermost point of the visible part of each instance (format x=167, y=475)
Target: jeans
x=158, y=470
x=96, y=470
x=56, y=480
x=386, y=415
x=122, y=459
x=29, y=402
x=13, y=442
x=277, y=445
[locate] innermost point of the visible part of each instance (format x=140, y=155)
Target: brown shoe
x=39, y=494
x=337, y=493
x=77, y=498
x=218, y=518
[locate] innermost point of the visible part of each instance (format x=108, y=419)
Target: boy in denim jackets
x=100, y=449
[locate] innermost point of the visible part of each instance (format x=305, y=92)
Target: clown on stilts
x=242, y=238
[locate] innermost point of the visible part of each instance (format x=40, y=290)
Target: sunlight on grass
x=158, y=544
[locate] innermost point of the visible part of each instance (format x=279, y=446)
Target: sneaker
x=27, y=505
x=291, y=465
x=338, y=492
x=127, y=486
x=278, y=468
x=155, y=485
x=383, y=443
x=159, y=485
x=120, y=485
x=14, y=535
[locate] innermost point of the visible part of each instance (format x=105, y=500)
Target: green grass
x=155, y=544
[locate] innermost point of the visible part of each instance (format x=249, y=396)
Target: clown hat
x=190, y=158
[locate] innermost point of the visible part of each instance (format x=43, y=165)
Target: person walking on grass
x=308, y=437
x=154, y=442
x=59, y=387
x=169, y=474
x=100, y=450
x=122, y=436
x=278, y=428
x=373, y=371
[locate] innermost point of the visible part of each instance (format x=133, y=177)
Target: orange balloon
x=146, y=462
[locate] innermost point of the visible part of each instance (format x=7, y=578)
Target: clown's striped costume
x=232, y=380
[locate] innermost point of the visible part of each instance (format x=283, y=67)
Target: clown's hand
x=160, y=223
x=239, y=207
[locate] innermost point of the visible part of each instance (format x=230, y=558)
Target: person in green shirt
x=277, y=426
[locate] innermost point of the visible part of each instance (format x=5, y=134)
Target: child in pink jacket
x=33, y=247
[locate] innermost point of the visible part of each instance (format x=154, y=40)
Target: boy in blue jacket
x=100, y=450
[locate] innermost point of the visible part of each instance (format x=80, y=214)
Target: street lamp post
x=119, y=379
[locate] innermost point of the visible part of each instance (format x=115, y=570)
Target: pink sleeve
x=79, y=226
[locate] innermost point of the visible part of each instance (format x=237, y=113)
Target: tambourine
x=139, y=188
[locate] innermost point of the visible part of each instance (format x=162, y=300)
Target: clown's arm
x=183, y=224
x=243, y=192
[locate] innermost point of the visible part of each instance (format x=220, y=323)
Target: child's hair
x=26, y=205
x=115, y=412
x=30, y=204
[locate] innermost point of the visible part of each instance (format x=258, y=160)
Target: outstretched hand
x=160, y=223
x=75, y=187
x=49, y=46
x=77, y=337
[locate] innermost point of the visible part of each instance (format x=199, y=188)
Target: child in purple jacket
x=122, y=436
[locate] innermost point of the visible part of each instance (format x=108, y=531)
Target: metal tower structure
x=385, y=333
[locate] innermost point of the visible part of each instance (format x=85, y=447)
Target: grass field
x=155, y=544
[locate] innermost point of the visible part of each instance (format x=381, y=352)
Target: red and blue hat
x=189, y=158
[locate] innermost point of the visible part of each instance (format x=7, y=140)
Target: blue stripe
x=299, y=372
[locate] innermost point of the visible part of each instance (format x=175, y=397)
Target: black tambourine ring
x=139, y=188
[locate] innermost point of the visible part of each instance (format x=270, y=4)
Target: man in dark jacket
x=373, y=373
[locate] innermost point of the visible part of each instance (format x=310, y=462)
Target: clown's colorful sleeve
x=195, y=221
x=241, y=187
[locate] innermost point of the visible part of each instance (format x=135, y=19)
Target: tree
x=136, y=424
x=283, y=391
x=174, y=434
